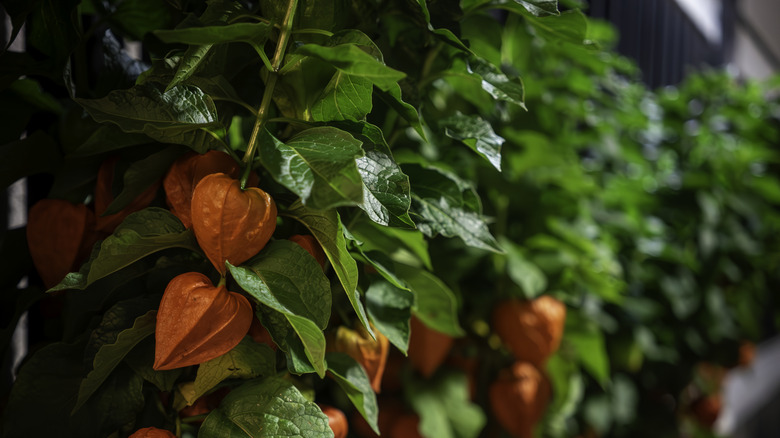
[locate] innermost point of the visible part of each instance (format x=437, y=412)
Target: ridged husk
x=198, y=321
x=59, y=235
x=370, y=353
x=532, y=330
x=519, y=398
x=231, y=224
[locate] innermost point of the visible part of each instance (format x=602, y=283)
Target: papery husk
x=310, y=244
x=427, y=347
x=336, y=420
x=152, y=432
x=519, y=398
x=198, y=321
x=532, y=330
x=229, y=223
x=369, y=353
x=59, y=236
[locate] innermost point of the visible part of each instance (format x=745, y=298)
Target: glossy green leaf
x=390, y=309
x=441, y=217
x=540, y=7
x=570, y=26
x=353, y=380
x=271, y=407
x=382, y=244
x=352, y=60
x=287, y=279
x=327, y=228
x=346, y=97
x=392, y=97
x=285, y=336
x=246, y=360
x=317, y=164
x=434, y=303
x=476, y=133
x=142, y=233
x=181, y=115
x=189, y=63
x=386, y=197
x=498, y=84
x=110, y=355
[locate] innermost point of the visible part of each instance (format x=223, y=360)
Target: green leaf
x=352, y=378
x=386, y=197
x=110, y=355
x=346, y=97
x=270, y=408
x=327, y=228
x=476, y=133
x=540, y=7
x=434, y=303
x=392, y=97
x=522, y=271
x=287, y=279
x=498, y=84
x=380, y=244
x=34, y=154
x=592, y=353
x=142, y=233
x=287, y=339
x=390, y=309
x=441, y=217
x=141, y=175
x=317, y=164
x=108, y=138
x=246, y=360
x=569, y=26
x=138, y=17
x=445, y=408
x=117, y=403
x=254, y=33
x=181, y=115
x=352, y=60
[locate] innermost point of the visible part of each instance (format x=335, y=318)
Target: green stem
x=270, y=84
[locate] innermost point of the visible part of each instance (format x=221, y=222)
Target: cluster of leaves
x=396, y=133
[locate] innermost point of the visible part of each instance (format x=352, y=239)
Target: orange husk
x=152, y=432
x=369, y=353
x=519, y=398
x=198, y=321
x=58, y=236
x=427, y=347
x=336, y=420
x=406, y=426
x=532, y=330
x=229, y=223
x=310, y=244
x=104, y=196
x=186, y=172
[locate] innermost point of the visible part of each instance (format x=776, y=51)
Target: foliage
x=445, y=157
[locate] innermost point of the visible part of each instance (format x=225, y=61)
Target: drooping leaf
x=524, y=272
x=271, y=407
x=285, y=336
x=111, y=354
x=392, y=97
x=386, y=197
x=327, y=228
x=385, y=244
x=390, y=309
x=476, y=133
x=346, y=97
x=317, y=164
x=181, y=115
x=434, y=303
x=256, y=33
x=352, y=60
x=108, y=138
x=497, y=83
x=287, y=279
x=352, y=378
x=569, y=26
x=115, y=404
x=540, y=7
x=441, y=217
x=246, y=360
x=142, y=233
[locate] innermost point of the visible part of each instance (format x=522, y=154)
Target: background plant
x=445, y=156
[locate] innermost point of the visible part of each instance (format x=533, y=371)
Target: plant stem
x=270, y=84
